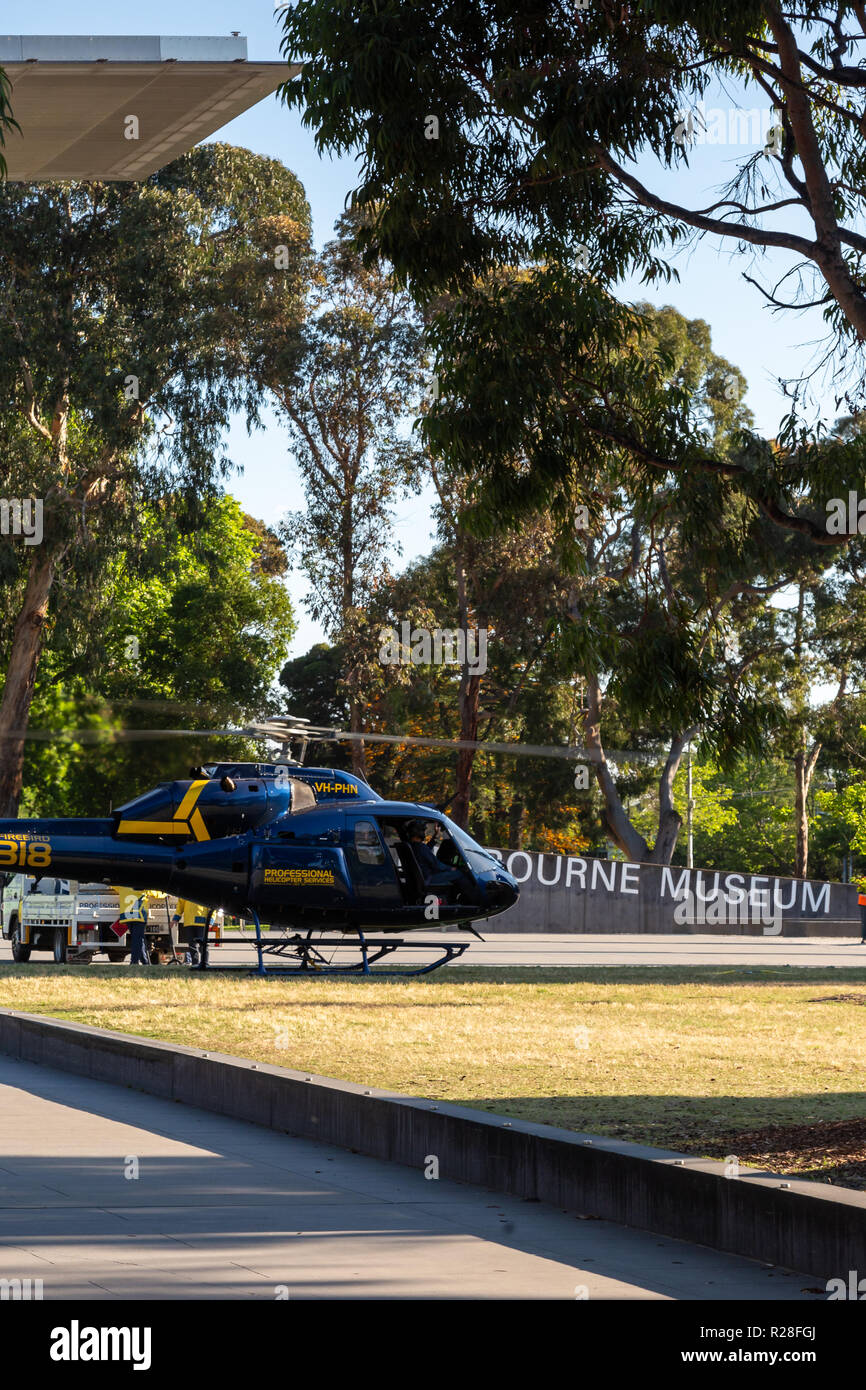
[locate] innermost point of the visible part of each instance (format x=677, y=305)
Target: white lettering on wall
x=625, y=884
x=758, y=896
x=823, y=900
x=682, y=887
x=598, y=866
x=699, y=887
x=573, y=871
x=549, y=882
x=734, y=888
x=519, y=854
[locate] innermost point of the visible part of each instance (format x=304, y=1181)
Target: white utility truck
x=74, y=921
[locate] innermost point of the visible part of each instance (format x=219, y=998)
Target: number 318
x=34, y=856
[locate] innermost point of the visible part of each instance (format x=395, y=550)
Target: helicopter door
x=372, y=869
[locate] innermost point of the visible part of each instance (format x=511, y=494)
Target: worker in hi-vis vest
x=193, y=918
x=861, y=902
x=133, y=916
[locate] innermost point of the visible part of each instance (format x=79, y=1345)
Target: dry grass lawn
x=767, y=1064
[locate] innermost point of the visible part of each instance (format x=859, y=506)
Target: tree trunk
x=347, y=601
x=804, y=770
x=356, y=725
x=21, y=678
x=616, y=819
x=617, y=824
x=805, y=759
x=470, y=687
x=801, y=820
x=470, y=690
x=670, y=820
x=516, y=818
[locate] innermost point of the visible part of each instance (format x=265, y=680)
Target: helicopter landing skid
x=305, y=956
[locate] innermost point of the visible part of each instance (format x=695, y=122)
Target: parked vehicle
x=74, y=921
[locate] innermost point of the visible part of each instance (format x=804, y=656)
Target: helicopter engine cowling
x=205, y=808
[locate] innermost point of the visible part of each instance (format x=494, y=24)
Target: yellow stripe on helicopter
x=186, y=820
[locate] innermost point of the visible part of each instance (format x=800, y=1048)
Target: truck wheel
x=20, y=952
x=59, y=946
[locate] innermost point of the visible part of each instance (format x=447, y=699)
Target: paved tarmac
x=583, y=949
x=518, y=949
x=622, y=949
x=221, y=1209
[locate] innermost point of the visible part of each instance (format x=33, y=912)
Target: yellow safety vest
x=191, y=914
x=131, y=905
x=134, y=906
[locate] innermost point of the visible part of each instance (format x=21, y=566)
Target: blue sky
x=712, y=287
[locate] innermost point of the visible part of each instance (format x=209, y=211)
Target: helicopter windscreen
x=477, y=858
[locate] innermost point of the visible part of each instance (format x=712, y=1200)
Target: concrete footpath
x=223, y=1209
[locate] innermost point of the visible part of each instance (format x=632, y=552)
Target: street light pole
x=690, y=844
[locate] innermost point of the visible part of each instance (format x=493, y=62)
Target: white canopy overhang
x=120, y=108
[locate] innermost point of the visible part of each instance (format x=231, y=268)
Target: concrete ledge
x=114, y=48
x=805, y=1226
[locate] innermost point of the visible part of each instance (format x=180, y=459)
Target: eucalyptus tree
x=185, y=625
x=491, y=137
x=348, y=399
x=513, y=167
x=653, y=574
x=134, y=319
x=490, y=134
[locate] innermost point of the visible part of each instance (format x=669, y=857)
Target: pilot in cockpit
x=425, y=858
x=440, y=872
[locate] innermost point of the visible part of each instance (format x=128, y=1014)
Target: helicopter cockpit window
x=368, y=844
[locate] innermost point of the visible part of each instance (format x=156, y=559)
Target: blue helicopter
x=310, y=851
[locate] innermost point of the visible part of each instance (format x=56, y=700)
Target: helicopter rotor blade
x=120, y=735
x=568, y=752
x=285, y=732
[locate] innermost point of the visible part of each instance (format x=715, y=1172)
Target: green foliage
x=542, y=113
x=135, y=318
x=210, y=626
x=530, y=214
x=148, y=308
x=313, y=689
x=712, y=793
x=845, y=810
x=186, y=630
x=346, y=398
x=7, y=120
